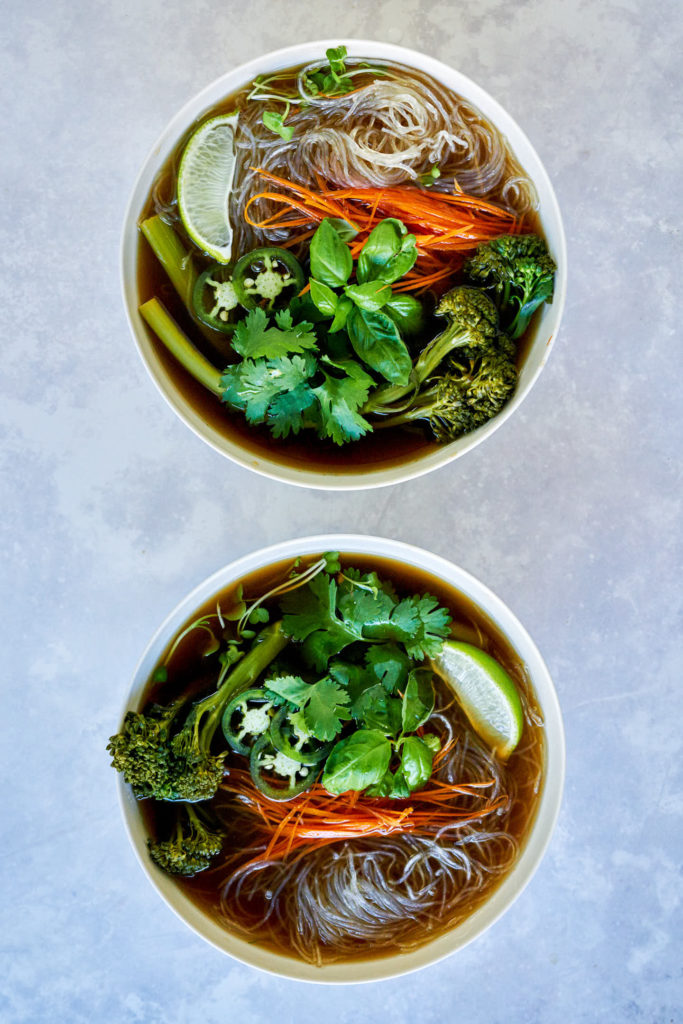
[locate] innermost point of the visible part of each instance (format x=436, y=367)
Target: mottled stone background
x=112, y=509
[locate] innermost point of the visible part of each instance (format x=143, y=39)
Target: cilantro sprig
x=290, y=393
x=327, y=616
x=254, y=338
x=323, y=703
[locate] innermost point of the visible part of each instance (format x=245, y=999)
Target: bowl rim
x=536, y=840
x=328, y=479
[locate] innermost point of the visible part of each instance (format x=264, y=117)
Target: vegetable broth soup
x=317, y=768
x=339, y=265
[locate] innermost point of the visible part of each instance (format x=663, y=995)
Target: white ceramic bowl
x=546, y=323
x=540, y=831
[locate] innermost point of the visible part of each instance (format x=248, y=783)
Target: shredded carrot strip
x=445, y=225
x=316, y=818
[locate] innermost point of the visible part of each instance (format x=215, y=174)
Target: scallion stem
x=179, y=345
x=172, y=255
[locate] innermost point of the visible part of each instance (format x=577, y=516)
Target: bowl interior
x=537, y=838
x=342, y=474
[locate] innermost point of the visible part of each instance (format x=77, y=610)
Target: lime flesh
x=486, y=693
x=205, y=176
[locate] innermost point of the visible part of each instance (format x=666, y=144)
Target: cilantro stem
x=291, y=583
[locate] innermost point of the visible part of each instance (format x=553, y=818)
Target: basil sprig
x=367, y=309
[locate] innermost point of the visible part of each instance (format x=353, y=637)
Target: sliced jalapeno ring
x=276, y=775
x=246, y=718
x=214, y=298
x=288, y=740
x=267, y=277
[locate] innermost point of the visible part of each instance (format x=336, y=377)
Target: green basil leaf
x=418, y=699
x=375, y=340
x=331, y=260
x=392, y=785
x=344, y=307
x=416, y=761
x=400, y=789
x=324, y=298
x=371, y=296
x=346, y=231
x=303, y=308
x=388, y=254
x=406, y=312
x=358, y=761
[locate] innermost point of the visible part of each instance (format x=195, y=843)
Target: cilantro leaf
x=289, y=410
x=340, y=399
x=292, y=688
x=368, y=609
x=354, y=678
x=323, y=704
x=325, y=709
x=434, y=623
x=310, y=617
x=326, y=618
x=254, y=386
x=253, y=339
x=389, y=664
x=419, y=622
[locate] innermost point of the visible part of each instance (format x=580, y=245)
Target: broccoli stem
x=430, y=357
x=205, y=716
x=266, y=646
x=172, y=255
x=180, y=346
x=437, y=350
x=419, y=410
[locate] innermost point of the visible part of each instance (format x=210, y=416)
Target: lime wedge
x=205, y=178
x=486, y=693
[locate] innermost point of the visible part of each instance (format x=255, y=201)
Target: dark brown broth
x=189, y=672
x=380, y=449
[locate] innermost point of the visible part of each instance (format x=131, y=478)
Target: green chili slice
x=214, y=298
x=276, y=775
x=268, y=277
x=247, y=717
x=286, y=738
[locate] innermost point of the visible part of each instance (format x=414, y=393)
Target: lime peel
x=205, y=177
x=486, y=693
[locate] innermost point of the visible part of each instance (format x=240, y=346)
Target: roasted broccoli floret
x=143, y=750
x=464, y=397
x=521, y=273
x=191, y=846
x=472, y=328
x=472, y=325
x=166, y=761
